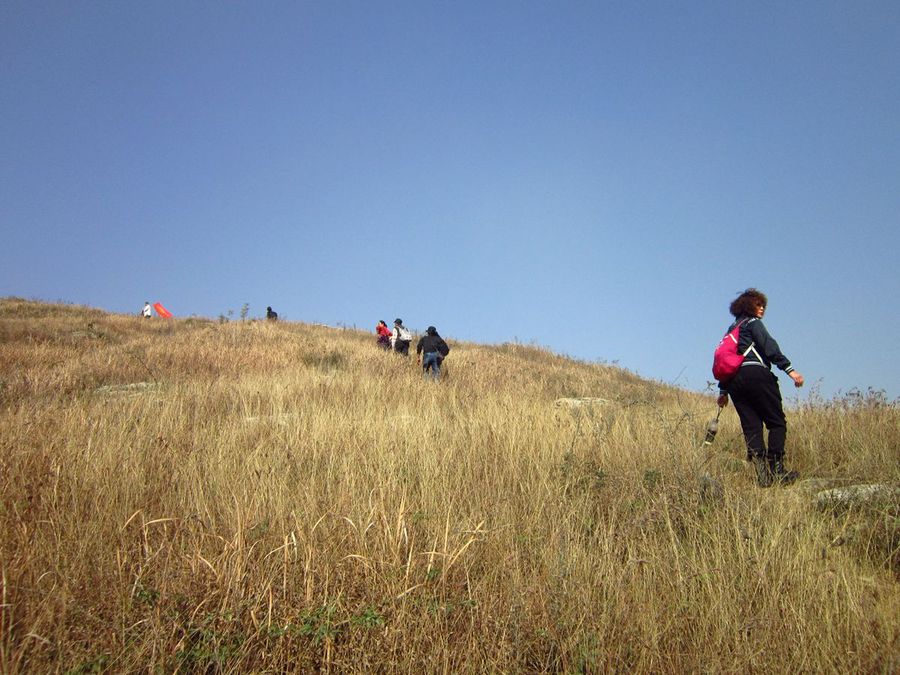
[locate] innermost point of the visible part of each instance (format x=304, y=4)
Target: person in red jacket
x=384, y=335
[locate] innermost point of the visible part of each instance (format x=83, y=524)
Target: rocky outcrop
x=584, y=401
x=858, y=495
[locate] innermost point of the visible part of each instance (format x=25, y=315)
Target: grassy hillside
x=246, y=497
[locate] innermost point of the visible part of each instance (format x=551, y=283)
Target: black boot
x=780, y=474
x=763, y=474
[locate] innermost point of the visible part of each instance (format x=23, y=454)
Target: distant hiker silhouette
x=430, y=352
x=384, y=335
x=271, y=315
x=147, y=312
x=401, y=337
x=754, y=388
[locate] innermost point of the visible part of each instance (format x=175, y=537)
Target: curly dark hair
x=746, y=303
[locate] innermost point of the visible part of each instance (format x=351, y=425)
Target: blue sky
x=599, y=178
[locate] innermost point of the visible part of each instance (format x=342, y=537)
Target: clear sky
x=601, y=178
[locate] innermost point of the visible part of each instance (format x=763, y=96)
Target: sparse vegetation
x=255, y=497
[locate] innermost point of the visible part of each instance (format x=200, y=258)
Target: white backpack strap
x=752, y=347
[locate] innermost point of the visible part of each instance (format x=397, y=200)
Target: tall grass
x=289, y=498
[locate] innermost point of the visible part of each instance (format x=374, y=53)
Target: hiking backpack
x=726, y=359
x=443, y=349
x=403, y=334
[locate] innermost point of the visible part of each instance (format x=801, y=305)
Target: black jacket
x=765, y=352
x=432, y=343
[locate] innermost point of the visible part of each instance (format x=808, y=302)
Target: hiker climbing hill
x=401, y=337
x=431, y=351
x=748, y=379
x=384, y=335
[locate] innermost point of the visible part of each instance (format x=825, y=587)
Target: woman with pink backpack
x=749, y=381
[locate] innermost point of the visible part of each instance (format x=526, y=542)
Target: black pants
x=757, y=399
x=402, y=347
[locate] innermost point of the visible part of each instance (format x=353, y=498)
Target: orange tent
x=162, y=311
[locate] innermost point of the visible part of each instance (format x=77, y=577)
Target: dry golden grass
x=288, y=498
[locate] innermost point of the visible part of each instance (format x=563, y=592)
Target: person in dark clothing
x=271, y=315
x=430, y=352
x=754, y=389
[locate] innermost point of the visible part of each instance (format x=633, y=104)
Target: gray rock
x=711, y=490
x=579, y=402
x=131, y=389
x=278, y=418
x=813, y=486
x=856, y=495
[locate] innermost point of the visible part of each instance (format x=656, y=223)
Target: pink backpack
x=726, y=359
